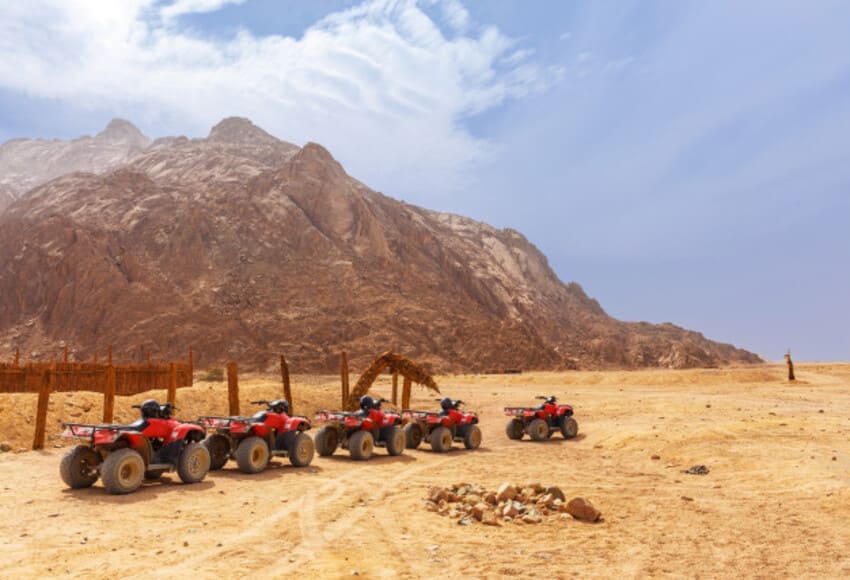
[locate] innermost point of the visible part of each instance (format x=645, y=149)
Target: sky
x=683, y=161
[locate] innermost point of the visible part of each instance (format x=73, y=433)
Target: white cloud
x=379, y=84
x=181, y=7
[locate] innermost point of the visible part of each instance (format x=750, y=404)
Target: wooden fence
x=111, y=380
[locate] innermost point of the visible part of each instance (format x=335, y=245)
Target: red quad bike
x=440, y=428
x=252, y=441
x=123, y=455
x=361, y=431
x=541, y=421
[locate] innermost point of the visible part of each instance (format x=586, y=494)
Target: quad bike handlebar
x=549, y=399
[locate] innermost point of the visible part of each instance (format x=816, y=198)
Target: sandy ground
x=775, y=504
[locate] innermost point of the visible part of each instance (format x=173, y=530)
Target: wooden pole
x=41, y=410
x=790, y=366
x=191, y=366
x=149, y=357
x=287, y=388
x=233, y=388
x=109, y=395
x=65, y=354
x=343, y=375
x=109, y=355
x=405, y=394
x=172, y=384
x=17, y=356
x=395, y=388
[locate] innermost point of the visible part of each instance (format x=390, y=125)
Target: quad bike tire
x=326, y=441
x=538, y=429
x=515, y=429
x=123, y=471
x=395, y=440
x=77, y=467
x=412, y=435
x=219, y=450
x=569, y=427
x=360, y=445
x=472, y=437
x=441, y=439
x=193, y=464
x=252, y=455
x=300, y=448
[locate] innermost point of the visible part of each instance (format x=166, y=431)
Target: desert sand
x=776, y=502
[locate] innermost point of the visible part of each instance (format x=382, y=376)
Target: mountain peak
x=123, y=130
x=238, y=130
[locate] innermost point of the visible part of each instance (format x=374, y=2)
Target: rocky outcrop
x=245, y=246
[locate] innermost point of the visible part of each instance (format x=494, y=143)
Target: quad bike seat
x=260, y=416
x=137, y=425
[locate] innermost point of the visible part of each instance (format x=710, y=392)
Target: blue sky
x=683, y=161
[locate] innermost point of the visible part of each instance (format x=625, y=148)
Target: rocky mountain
x=245, y=246
x=26, y=163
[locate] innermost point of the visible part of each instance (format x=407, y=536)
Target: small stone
x=655, y=457
x=490, y=498
x=464, y=521
x=582, y=509
x=510, y=511
x=185, y=544
x=546, y=499
x=452, y=497
x=532, y=518
x=490, y=519
x=431, y=506
x=697, y=470
x=505, y=492
x=535, y=486
x=686, y=498
x=478, y=510
x=355, y=572
x=437, y=494
x=472, y=499
x=5, y=447
x=556, y=492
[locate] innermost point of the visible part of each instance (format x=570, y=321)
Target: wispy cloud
x=380, y=84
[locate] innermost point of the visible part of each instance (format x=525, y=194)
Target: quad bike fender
x=187, y=431
x=388, y=420
x=134, y=441
x=296, y=423
x=261, y=430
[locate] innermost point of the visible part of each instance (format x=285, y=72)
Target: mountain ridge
x=244, y=246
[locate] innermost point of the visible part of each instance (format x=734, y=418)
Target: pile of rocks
x=522, y=504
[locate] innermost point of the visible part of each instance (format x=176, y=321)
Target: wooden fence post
x=191, y=366
x=405, y=394
x=395, y=388
x=149, y=357
x=65, y=354
x=233, y=388
x=343, y=375
x=41, y=411
x=109, y=355
x=17, y=356
x=109, y=395
x=790, y=366
x=287, y=389
x=172, y=384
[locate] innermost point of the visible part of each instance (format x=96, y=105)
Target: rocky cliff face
x=245, y=246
